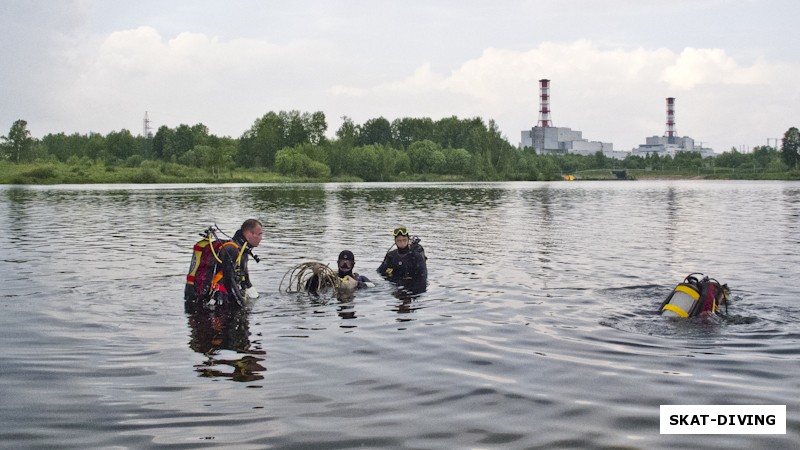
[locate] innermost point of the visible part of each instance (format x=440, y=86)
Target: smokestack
x=544, y=98
x=670, y=133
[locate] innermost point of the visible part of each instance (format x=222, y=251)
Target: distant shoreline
x=51, y=173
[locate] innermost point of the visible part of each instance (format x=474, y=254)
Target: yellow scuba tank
x=681, y=302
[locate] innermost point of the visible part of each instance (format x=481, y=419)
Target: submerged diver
x=697, y=295
x=218, y=272
x=349, y=279
x=407, y=262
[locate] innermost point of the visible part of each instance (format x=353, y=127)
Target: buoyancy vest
x=206, y=277
x=695, y=296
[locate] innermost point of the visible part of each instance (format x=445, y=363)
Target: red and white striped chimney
x=544, y=99
x=670, y=133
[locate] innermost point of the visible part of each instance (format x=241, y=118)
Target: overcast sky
x=97, y=66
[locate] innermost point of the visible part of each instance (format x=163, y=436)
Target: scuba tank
x=415, y=246
x=204, y=280
x=696, y=295
x=202, y=263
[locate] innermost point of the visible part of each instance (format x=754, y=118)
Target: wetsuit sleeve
x=229, y=276
x=246, y=284
x=362, y=280
x=387, y=262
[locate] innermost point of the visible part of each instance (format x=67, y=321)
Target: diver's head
x=252, y=231
x=346, y=261
x=401, y=237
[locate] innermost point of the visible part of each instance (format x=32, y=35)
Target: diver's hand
x=349, y=283
x=251, y=292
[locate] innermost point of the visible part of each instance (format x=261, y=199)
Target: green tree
x=375, y=131
x=367, y=163
x=200, y=135
x=336, y=156
x=457, y=161
x=451, y=132
x=548, y=168
x=731, y=159
x=257, y=147
x=19, y=143
x=317, y=127
x=347, y=134
x=409, y=129
x=215, y=159
x=295, y=130
x=96, y=146
x=121, y=144
x=601, y=161
x=58, y=146
x=500, y=154
x=790, y=150
x=182, y=141
x=164, y=135
x=426, y=157
x=292, y=161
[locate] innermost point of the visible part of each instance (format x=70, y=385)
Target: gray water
x=537, y=328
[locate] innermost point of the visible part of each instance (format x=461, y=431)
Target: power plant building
x=562, y=140
x=547, y=139
x=670, y=144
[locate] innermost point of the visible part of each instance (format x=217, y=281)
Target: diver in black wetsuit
x=346, y=262
x=407, y=262
x=349, y=279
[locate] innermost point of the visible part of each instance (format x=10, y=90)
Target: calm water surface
x=537, y=328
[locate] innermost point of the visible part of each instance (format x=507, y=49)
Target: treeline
x=294, y=144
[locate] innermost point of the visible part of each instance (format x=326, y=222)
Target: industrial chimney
x=544, y=96
x=670, y=133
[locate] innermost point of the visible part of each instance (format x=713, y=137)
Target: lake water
x=537, y=329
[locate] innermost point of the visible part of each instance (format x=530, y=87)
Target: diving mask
x=400, y=231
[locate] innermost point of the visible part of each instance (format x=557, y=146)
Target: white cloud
x=695, y=67
x=194, y=78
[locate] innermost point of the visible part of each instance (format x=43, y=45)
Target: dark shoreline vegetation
x=292, y=147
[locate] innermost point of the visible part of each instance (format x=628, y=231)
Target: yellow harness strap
x=213, y=252
x=241, y=252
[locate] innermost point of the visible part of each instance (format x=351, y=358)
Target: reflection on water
x=408, y=293
x=217, y=329
x=538, y=327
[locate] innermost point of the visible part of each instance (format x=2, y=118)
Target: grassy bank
x=154, y=172
x=688, y=174
x=149, y=172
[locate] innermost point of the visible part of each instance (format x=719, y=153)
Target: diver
x=697, y=295
x=407, y=262
x=352, y=280
x=218, y=273
x=349, y=280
